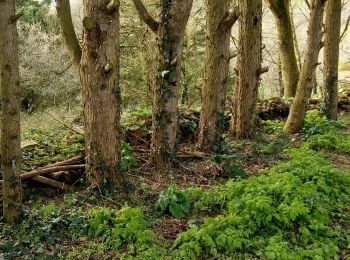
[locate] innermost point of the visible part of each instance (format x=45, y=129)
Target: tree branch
x=231, y=18
x=67, y=29
x=342, y=36
x=145, y=16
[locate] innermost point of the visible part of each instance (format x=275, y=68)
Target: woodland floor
x=53, y=219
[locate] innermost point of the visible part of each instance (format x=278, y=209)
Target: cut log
x=52, y=183
x=53, y=169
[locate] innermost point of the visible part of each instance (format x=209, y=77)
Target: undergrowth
x=285, y=213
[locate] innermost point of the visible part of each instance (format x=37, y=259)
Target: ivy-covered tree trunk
x=219, y=23
x=98, y=63
x=248, y=69
x=170, y=32
x=298, y=109
x=10, y=151
x=289, y=64
x=331, y=59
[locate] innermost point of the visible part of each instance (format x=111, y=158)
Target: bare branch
x=67, y=29
x=145, y=15
x=342, y=35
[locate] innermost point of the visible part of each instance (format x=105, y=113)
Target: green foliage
x=315, y=123
x=286, y=213
x=126, y=227
x=128, y=158
x=138, y=116
x=35, y=11
x=330, y=141
x=229, y=164
x=41, y=232
x=273, y=127
x=174, y=201
x=52, y=145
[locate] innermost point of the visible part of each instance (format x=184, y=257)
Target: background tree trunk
x=248, y=69
x=290, y=70
x=298, y=109
x=171, y=29
x=216, y=74
x=331, y=59
x=10, y=116
x=99, y=73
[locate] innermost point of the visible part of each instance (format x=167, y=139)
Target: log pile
x=55, y=174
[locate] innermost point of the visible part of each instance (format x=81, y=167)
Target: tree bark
x=290, y=70
x=99, y=73
x=248, y=69
x=298, y=109
x=331, y=59
x=170, y=33
x=10, y=116
x=216, y=73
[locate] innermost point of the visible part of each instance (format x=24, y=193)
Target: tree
x=289, y=64
x=331, y=59
x=10, y=117
x=98, y=64
x=314, y=42
x=248, y=69
x=219, y=23
x=170, y=32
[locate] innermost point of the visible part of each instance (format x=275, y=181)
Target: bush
x=286, y=213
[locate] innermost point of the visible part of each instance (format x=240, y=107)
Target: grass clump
x=286, y=213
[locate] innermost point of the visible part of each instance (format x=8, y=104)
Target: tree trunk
x=10, y=117
x=331, y=59
x=101, y=92
x=290, y=70
x=248, y=69
x=174, y=18
x=216, y=74
x=98, y=63
x=298, y=109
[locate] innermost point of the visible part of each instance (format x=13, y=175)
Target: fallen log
x=51, y=169
x=52, y=183
x=73, y=160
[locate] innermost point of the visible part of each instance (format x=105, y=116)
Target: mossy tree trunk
x=219, y=23
x=10, y=113
x=98, y=63
x=170, y=32
x=298, y=109
x=289, y=64
x=331, y=59
x=248, y=69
